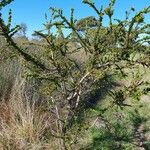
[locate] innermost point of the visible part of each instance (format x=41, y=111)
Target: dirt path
x=140, y=138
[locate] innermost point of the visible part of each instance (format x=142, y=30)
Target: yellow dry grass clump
x=22, y=126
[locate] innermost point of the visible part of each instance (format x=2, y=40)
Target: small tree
x=88, y=22
x=23, y=30
x=68, y=83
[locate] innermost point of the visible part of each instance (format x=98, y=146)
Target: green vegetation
x=52, y=100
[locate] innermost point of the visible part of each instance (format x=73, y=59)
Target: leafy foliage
x=70, y=85
x=87, y=22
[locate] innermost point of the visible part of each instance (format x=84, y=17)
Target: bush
x=73, y=88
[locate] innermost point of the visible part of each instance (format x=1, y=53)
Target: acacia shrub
x=67, y=83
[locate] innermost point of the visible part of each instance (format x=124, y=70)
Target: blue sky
x=32, y=12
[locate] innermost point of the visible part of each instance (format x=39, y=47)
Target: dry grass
x=22, y=126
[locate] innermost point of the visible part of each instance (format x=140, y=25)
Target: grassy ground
x=24, y=125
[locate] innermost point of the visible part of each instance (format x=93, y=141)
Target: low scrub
x=63, y=102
